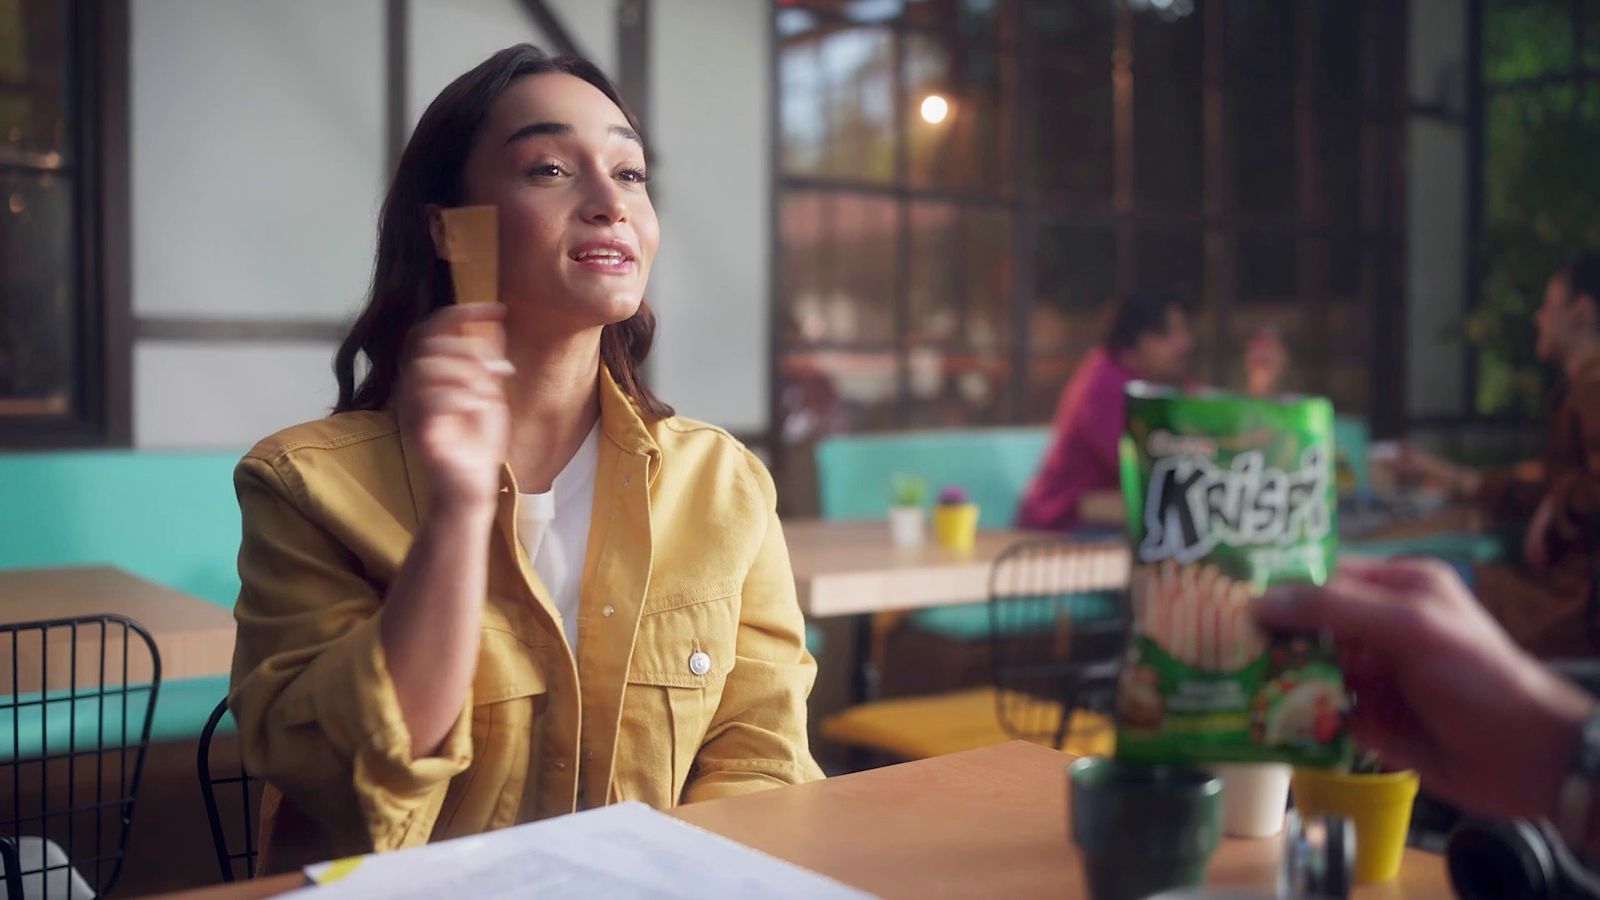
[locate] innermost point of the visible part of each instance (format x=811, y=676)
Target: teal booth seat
x=54, y=726
x=1351, y=440
x=170, y=517
x=993, y=465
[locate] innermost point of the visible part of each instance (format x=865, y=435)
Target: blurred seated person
x=1544, y=604
x=1148, y=339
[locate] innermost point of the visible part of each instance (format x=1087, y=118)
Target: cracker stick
x=472, y=243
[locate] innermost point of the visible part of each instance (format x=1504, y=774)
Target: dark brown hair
x=1134, y=315
x=409, y=281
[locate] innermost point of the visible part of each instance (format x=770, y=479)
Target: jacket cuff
x=356, y=706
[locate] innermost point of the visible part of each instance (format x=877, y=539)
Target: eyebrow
x=562, y=128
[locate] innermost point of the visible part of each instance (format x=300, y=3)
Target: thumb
x=1347, y=608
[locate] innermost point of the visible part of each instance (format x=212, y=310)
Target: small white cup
x=1254, y=798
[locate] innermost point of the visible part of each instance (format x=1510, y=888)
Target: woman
x=503, y=581
x=1548, y=603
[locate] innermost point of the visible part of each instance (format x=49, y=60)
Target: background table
x=194, y=637
x=848, y=567
x=989, y=823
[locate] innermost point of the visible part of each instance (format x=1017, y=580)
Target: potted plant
x=1377, y=803
x=906, y=495
x=955, y=519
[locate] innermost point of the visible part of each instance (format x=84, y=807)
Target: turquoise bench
x=993, y=465
x=50, y=728
x=170, y=517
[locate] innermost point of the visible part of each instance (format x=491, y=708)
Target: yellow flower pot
x=955, y=525
x=1378, y=805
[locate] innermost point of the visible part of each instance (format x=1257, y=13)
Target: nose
x=604, y=203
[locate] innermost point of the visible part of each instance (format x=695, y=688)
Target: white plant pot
x=1254, y=797
x=907, y=526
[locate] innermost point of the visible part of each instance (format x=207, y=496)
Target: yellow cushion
x=920, y=727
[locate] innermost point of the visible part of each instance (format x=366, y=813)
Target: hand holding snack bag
x=1226, y=495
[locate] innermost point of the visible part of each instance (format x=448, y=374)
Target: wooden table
x=985, y=823
x=194, y=637
x=849, y=567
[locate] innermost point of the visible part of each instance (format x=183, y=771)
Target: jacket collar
x=620, y=421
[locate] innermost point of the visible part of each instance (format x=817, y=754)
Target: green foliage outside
x=1541, y=189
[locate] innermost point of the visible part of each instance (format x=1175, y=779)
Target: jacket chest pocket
x=509, y=696
x=682, y=655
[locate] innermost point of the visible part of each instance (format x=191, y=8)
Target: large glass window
x=1538, y=128
x=53, y=387
x=963, y=184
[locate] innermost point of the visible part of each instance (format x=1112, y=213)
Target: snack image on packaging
x=1226, y=495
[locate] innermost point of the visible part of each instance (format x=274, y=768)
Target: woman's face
x=577, y=231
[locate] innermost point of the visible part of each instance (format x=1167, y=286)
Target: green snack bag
x=1226, y=495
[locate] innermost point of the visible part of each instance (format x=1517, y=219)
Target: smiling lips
x=610, y=257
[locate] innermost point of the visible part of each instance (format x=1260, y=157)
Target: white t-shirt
x=553, y=528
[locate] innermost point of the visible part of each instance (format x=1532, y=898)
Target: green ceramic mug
x=1143, y=828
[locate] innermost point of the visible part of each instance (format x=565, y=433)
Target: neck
x=1126, y=359
x=554, y=401
x=1582, y=354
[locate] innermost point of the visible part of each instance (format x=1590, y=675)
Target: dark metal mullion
x=551, y=26
x=633, y=58
x=89, y=383
x=776, y=445
x=1221, y=244
x=113, y=221
x=1052, y=209
x=397, y=72
x=1024, y=226
x=1311, y=270
x=1123, y=155
x=65, y=171
x=1575, y=75
x=1475, y=194
x=1386, y=300
x=902, y=248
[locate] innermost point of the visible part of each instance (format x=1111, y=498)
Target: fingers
x=478, y=321
x=1356, y=604
x=471, y=330
x=450, y=346
x=469, y=374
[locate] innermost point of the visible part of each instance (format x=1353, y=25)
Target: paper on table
x=626, y=851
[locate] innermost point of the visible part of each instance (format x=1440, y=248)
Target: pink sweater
x=1083, y=452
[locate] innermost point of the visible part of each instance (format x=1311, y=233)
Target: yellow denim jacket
x=685, y=555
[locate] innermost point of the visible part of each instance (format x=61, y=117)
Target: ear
x=435, y=215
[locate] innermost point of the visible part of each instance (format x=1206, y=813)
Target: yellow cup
x=955, y=525
x=1378, y=805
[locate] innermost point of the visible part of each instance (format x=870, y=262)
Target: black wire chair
x=84, y=690
x=231, y=857
x=1057, y=643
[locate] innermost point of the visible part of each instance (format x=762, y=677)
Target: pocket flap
x=681, y=595
x=507, y=668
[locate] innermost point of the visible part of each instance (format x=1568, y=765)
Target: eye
x=634, y=176
x=546, y=170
